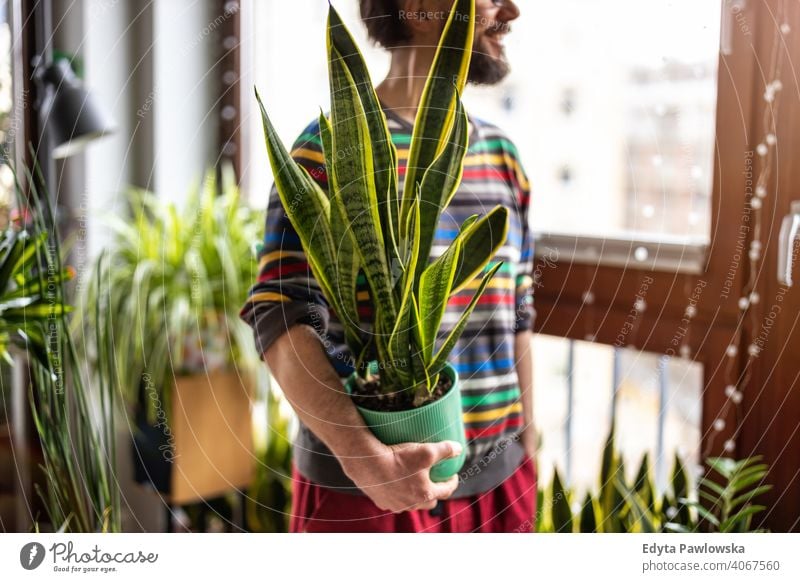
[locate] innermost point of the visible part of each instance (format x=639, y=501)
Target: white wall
x=186, y=89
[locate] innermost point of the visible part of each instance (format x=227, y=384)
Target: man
x=344, y=478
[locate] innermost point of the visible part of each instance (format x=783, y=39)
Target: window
x=293, y=93
x=581, y=386
x=613, y=116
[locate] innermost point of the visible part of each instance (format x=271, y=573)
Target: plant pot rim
x=448, y=369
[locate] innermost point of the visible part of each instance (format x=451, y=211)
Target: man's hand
x=397, y=478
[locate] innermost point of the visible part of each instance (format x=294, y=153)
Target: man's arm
x=397, y=477
x=524, y=364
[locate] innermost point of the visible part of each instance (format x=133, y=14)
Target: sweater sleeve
x=525, y=312
x=285, y=292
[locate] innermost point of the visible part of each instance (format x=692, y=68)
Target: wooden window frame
x=562, y=282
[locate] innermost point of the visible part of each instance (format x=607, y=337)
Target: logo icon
x=31, y=555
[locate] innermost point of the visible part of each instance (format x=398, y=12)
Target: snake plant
x=724, y=501
x=365, y=223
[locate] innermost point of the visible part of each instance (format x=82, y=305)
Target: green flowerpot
x=436, y=421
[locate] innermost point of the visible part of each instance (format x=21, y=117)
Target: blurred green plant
x=270, y=497
x=725, y=494
x=74, y=419
x=727, y=501
x=175, y=282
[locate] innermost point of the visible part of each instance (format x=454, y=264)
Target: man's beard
x=485, y=69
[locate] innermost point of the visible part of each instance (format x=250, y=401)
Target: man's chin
x=485, y=69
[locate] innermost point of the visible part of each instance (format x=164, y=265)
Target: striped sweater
x=286, y=293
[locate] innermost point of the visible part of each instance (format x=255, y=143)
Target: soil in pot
x=368, y=395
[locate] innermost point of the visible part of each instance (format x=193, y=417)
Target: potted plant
x=402, y=383
x=72, y=417
x=723, y=500
x=175, y=280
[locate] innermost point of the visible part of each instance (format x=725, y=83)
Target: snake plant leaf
x=608, y=466
x=423, y=374
x=643, y=485
x=562, y=513
x=481, y=240
x=440, y=181
x=440, y=359
x=635, y=513
x=467, y=223
x=611, y=502
x=435, y=287
x=307, y=207
x=384, y=165
x=347, y=259
x=680, y=490
x=620, y=508
x=400, y=344
x=413, y=229
x=456, y=251
x=353, y=166
x=588, y=518
x=437, y=107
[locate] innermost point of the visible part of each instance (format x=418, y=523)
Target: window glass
x=612, y=106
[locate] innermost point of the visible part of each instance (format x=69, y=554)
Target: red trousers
x=509, y=507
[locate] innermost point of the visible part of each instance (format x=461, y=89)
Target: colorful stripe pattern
x=286, y=292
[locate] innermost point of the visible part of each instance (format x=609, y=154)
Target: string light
x=736, y=383
x=734, y=389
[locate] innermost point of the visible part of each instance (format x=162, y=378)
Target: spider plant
x=175, y=281
x=364, y=223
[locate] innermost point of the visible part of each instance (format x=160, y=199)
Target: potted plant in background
x=403, y=385
x=722, y=501
x=175, y=281
x=73, y=418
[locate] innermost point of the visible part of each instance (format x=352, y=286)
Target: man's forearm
x=315, y=391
